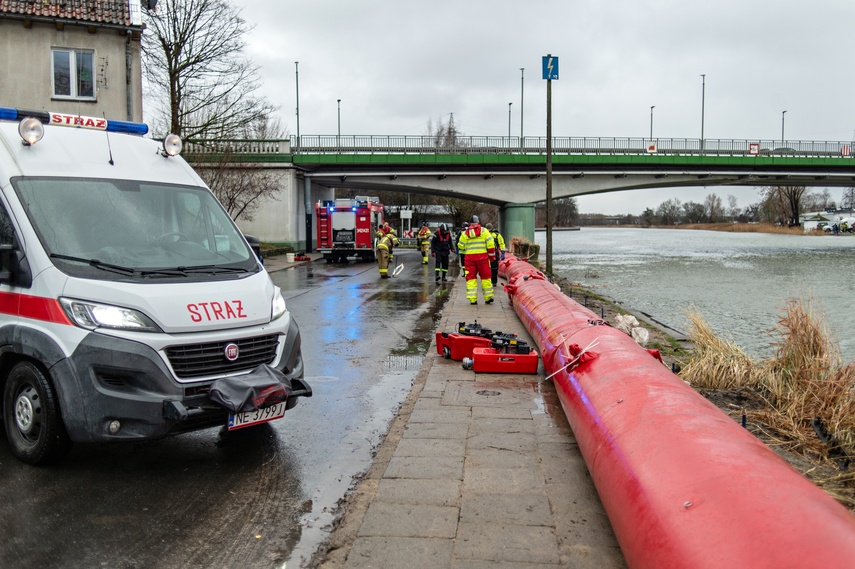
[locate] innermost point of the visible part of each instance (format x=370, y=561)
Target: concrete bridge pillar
x=517, y=220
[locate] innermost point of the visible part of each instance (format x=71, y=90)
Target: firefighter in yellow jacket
x=499, y=241
x=423, y=242
x=477, y=244
x=385, y=246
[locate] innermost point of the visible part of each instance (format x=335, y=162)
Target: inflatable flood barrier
x=683, y=484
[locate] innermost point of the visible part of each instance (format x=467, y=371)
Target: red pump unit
x=346, y=227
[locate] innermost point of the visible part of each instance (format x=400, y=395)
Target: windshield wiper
x=163, y=273
x=213, y=269
x=97, y=264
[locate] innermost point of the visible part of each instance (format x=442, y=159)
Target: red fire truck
x=346, y=227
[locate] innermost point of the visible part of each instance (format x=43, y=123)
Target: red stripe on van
x=34, y=307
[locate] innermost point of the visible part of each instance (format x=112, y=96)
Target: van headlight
x=92, y=315
x=278, y=307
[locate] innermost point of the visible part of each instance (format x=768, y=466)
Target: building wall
x=279, y=220
x=25, y=61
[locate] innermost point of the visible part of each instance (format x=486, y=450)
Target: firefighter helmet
x=443, y=227
x=474, y=219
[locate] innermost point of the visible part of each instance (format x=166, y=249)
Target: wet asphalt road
x=257, y=498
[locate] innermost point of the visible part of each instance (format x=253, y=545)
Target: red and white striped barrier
x=683, y=484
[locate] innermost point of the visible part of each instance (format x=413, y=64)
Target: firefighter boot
x=438, y=275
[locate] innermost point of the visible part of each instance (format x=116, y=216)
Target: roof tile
x=98, y=11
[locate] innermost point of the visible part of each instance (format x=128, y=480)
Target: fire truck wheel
x=31, y=416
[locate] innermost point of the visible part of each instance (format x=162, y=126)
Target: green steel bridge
x=511, y=172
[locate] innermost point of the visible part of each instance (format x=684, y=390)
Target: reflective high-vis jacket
x=478, y=242
x=423, y=235
x=500, y=241
x=387, y=242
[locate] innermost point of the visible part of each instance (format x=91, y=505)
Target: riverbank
x=750, y=405
x=743, y=228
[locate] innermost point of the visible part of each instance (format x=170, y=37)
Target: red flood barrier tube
x=684, y=485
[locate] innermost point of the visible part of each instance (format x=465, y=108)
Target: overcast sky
x=397, y=64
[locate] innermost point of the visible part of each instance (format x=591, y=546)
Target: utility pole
x=297, y=71
x=651, y=122
x=522, y=106
x=550, y=72
x=703, y=94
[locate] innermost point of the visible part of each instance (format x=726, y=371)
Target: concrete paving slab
x=396, y=553
x=384, y=519
x=500, y=543
x=506, y=509
x=431, y=447
x=502, y=480
x=429, y=492
x=449, y=468
x=436, y=430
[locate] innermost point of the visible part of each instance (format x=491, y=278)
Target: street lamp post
x=338, y=136
x=782, y=128
x=509, y=123
x=522, y=106
x=651, y=121
x=703, y=95
x=297, y=72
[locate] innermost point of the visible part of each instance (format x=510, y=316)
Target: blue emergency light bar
x=77, y=121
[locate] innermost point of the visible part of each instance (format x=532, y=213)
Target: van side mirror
x=14, y=267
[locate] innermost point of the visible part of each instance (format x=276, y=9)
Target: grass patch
x=809, y=394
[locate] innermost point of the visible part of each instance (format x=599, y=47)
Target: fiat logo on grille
x=231, y=352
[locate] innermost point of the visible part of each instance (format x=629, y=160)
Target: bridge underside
x=500, y=186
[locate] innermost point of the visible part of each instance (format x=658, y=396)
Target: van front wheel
x=31, y=416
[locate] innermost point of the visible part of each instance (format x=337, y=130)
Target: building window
x=73, y=74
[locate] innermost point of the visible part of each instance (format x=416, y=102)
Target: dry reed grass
x=810, y=394
x=716, y=363
x=746, y=228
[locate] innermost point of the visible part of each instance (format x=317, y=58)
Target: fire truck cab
x=346, y=227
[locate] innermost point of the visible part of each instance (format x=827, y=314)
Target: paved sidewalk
x=477, y=470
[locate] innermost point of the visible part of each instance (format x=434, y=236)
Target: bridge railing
x=410, y=144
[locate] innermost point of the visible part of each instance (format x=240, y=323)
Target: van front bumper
x=112, y=389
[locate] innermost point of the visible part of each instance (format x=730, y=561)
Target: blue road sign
x=550, y=68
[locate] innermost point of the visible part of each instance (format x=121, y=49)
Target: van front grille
x=199, y=360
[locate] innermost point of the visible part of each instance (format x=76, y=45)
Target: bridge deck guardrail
x=406, y=144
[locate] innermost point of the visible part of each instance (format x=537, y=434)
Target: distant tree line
x=780, y=205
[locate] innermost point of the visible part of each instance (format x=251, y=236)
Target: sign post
x=550, y=72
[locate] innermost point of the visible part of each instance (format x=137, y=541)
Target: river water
x=739, y=282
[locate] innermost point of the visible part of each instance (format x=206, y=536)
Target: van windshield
x=113, y=229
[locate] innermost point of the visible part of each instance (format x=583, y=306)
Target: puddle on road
x=403, y=362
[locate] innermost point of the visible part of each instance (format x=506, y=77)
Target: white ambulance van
x=131, y=306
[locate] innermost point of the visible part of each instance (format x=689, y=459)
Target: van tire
x=31, y=416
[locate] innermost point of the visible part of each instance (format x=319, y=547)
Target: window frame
x=73, y=58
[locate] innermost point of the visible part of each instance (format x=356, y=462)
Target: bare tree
x=787, y=200
x=444, y=135
x=713, y=208
x=565, y=212
x=193, y=59
x=668, y=212
x=733, y=210
x=241, y=189
x=694, y=212
x=784, y=202
x=848, y=198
